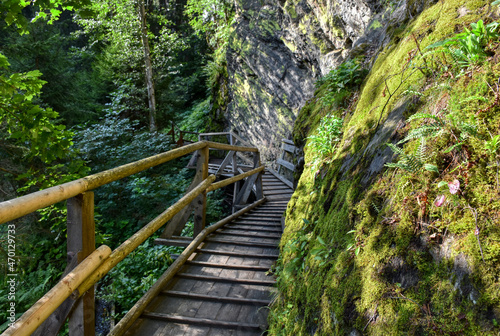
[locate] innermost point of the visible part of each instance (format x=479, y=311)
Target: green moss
x=399, y=231
x=290, y=9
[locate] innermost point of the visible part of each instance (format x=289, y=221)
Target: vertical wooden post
x=201, y=201
x=81, y=242
x=173, y=133
x=237, y=183
x=258, y=183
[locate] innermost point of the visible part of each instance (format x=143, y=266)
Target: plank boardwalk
x=224, y=289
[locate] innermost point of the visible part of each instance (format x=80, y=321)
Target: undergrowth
x=414, y=250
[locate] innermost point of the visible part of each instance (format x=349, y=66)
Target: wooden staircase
x=224, y=288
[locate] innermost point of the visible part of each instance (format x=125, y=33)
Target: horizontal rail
x=217, y=145
x=236, y=178
x=140, y=236
x=214, y=133
x=24, y=205
x=42, y=309
x=21, y=206
x=141, y=305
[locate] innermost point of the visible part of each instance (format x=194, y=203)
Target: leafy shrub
x=469, y=47
x=126, y=205
x=346, y=76
x=434, y=127
x=132, y=277
x=324, y=141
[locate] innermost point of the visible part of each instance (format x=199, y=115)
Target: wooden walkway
x=224, y=288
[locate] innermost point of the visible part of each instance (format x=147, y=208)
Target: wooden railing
x=178, y=136
x=75, y=291
x=285, y=167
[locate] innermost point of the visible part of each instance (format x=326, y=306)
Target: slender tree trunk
x=148, y=66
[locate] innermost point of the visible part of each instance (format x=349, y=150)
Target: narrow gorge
x=395, y=229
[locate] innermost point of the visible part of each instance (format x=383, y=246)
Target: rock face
x=277, y=51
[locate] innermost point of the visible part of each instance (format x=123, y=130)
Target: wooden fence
x=74, y=293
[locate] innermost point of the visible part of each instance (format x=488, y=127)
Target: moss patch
x=397, y=263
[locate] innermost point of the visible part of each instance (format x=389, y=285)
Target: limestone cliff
x=379, y=240
x=277, y=51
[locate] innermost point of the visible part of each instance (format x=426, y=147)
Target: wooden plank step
x=201, y=321
x=271, y=224
x=228, y=266
x=238, y=254
x=269, y=187
x=273, y=205
x=211, y=278
x=252, y=235
x=241, y=243
x=285, y=197
x=278, y=192
x=252, y=228
x=262, y=219
x=267, y=212
x=223, y=299
x=264, y=214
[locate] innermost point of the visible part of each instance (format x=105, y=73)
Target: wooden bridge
x=219, y=285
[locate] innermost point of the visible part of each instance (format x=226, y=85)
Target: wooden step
x=279, y=197
x=271, y=224
x=247, y=228
x=261, y=219
x=278, y=192
x=238, y=254
x=263, y=215
x=273, y=213
x=252, y=235
x=228, y=266
x=200, y=321
x=223, y=299
x=253, y=282
x=241, y=243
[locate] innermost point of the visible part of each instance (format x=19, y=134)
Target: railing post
x=236, y=184
x=81, y=242
x=258, y=183
x=201, y=201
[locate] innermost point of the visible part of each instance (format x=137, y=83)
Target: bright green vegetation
x=413, y=248
x=73, y=101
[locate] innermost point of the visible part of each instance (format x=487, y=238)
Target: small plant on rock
x=323, y=143
x=469, y=47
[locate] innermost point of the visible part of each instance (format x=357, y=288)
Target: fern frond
x=425, y=116
x=396, y=149
x=467, y=129
x=421, y=152
x=425, y=131
x=409, y=162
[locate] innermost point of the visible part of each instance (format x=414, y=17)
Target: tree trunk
x=148, y=67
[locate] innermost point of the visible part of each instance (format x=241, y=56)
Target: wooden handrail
x=42, y=309
x=18, y=207
x=140, y=236
x=83, y=277
x=141, y=305
x=21, y=206
x=233, y=179
x=218, y=145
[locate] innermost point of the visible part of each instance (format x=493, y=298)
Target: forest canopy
x=90, y=85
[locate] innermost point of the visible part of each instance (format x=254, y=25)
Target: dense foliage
x=85, y=60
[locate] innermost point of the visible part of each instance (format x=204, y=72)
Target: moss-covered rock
x=395, y=262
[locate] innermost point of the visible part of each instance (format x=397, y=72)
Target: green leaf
x=431, y=168
x=321, y=241
x=442, y=184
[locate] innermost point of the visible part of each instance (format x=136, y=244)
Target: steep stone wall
x=277, y=51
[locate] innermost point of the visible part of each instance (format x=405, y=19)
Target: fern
x=411, y=163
